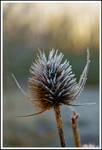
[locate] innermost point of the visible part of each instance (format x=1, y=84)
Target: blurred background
x=71, y=28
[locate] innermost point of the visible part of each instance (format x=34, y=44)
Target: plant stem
x=75, y=129
x=59, y=125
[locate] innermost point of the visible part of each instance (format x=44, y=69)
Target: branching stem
x=75, y=129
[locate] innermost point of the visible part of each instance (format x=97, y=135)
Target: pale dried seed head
x=51, y=82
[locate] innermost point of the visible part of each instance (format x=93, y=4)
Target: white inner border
x=2, y=2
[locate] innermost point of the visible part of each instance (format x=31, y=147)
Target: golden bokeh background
x=71, y=26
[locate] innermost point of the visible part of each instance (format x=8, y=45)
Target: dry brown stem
x=75, y=129
x=59, y=125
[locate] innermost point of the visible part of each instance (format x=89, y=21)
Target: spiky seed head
x=51, y=82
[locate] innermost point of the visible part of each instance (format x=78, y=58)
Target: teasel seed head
x=52, y=83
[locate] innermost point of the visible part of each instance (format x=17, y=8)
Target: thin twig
x=75, y=129
x=59, y=125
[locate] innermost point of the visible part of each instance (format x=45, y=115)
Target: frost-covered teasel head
x=52, y=83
